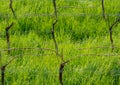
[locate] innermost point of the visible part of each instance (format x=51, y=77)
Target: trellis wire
x=62, y=65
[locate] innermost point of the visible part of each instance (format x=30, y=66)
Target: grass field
x=79, y=30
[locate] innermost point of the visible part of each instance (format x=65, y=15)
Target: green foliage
x=81, y=26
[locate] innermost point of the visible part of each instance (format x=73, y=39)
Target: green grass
x=72, y=33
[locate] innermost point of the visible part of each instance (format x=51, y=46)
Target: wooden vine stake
x=0, y=59
x=53, y=27
x=2, y=79
x=110, y=26
x=3, y=71
x=3, y=75
x=61, y=69
x=111, y=32
x=103, y=10
x=8, y=36
x=11, y=7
